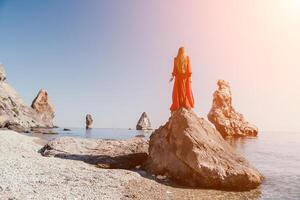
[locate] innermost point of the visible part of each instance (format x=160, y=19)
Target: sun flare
x=293, y=7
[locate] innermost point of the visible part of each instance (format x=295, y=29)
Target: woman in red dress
x=182, y=90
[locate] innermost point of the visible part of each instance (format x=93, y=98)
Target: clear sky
x=113, y=58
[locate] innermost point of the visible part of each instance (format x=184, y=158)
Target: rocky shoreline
x=16, y=115
x=186, y=150
x=26, y=174
x=181, y=158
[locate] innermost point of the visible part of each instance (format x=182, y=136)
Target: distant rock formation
x=144, y=122
x=88, y=121
x=2, y=73
x=190, y=151
x=124, y=154
x=14, y=113
x=227, y=121
x=43, y=107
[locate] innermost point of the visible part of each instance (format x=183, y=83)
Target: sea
x=275, y=154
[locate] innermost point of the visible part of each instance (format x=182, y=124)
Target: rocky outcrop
x=2, y=73
x=89, y=121
x=227, y=121
x=14, y=113
x=124, y=154
x=41, y=104
x=144, y=123
x=190, y=151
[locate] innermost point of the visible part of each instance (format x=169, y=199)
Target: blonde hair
x=181, y=60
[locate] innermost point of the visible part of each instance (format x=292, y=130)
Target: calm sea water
x=275, y=154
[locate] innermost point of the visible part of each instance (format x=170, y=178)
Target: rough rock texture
x=43, y=107
x=89, y=121
x=123, y=154
x=14, y=113
x=192, y=152
x=144, y=123
x=227, y=121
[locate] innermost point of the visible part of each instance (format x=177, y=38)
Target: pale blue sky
x=88, y=56
x=113, y=58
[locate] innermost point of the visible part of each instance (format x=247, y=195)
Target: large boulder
x=190, y=151
x=144, y=122
x=14, y=112
x=42, y=105
x=89, y=121
x=226, y=119
x=117, y=154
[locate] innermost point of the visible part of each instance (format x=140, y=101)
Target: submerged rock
x=190, y=151
x=144, y=122
x=14, y=112
x=88, y=121
x=124, y=154
x=43, y=130
x=43, y=107
x=227, y=121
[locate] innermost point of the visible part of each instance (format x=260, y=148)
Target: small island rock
x=88, y=121
x=144, y=122
x=191, y=152
x=227, y=121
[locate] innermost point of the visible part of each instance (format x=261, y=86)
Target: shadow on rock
x=108, y=154
x=129, y=161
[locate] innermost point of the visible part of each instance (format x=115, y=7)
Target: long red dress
x=182, y=90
